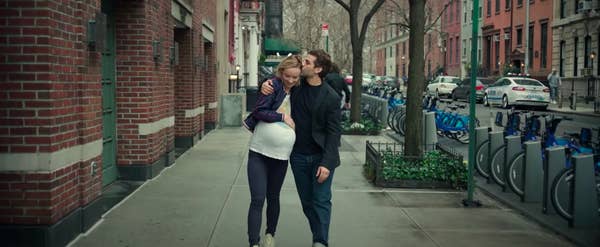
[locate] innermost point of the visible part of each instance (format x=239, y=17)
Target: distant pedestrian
x=554, y=82
x=336, y=81
x=270, y=146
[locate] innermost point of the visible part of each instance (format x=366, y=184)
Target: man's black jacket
x=326, y=130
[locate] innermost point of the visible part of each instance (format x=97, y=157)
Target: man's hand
x=289, y=121
x=347, y=106
x=322, y=174
x=267, y=87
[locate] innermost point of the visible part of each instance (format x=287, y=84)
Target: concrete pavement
x=203, y=200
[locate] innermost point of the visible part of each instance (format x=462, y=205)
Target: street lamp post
x=237, y=77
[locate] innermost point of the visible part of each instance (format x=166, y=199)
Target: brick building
x=91, y=93
x=504, y=37
x=451, y=37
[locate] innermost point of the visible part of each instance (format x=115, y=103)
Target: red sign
x=325, y=27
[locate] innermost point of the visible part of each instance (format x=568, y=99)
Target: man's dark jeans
x=315, y=197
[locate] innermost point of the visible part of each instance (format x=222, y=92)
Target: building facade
x=451, y=37
x=466, y=34
x=576, y=42
x=391, y=49
x=509, y=45
x=94, y=93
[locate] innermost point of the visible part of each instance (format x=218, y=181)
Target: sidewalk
x=203, y=200
x=581, y=109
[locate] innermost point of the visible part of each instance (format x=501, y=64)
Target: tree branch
x=344, y=5
x=427, y=28
x=368, y=17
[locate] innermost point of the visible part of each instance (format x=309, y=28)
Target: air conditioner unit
x=506, y=36
x=584, y=5
x=496, y=38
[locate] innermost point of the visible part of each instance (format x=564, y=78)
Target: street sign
x=325, y=29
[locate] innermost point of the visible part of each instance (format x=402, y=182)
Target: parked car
x=463, y=90
x=509, y=91
x=368, y=79
x=348, y=79
x=442, y=85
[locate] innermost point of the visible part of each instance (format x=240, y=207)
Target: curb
x=587, y=114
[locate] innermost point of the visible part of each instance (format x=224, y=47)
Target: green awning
x=272, y=46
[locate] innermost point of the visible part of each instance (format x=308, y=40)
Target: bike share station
x=541, y=183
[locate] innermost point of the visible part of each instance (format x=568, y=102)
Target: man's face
x=308, y=66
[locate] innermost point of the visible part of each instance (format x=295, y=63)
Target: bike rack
x=533, y=177
x=430, y=129
x=554, y=163
x=496, y=140
x=584, y=203
x=482, y=135
x=513, y=147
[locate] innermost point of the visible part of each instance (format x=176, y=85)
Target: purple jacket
x=266, y=106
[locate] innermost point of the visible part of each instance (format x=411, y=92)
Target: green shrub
x=366, y=125
x=433, y=166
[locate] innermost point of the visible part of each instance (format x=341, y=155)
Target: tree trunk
x=414, y=112
x=357, y=63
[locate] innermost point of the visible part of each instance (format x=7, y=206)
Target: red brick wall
x=145, y=86
x=186, y=86
x=49, y=101
x=210, y=74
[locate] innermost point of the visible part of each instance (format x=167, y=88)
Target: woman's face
x=290, y=76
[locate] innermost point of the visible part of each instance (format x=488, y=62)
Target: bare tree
x=357, y=39
x=414, y=114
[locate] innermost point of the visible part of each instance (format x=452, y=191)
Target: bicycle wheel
x=462, y=137
x=401, y=124
x=516, y=174
x=497, y=165
x=561, y=191
x=390, y=116
x=481, y=159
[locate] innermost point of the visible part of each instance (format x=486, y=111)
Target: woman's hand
x=289, y=121
x=267, y=87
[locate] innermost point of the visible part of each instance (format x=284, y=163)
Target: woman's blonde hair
x=293, y=61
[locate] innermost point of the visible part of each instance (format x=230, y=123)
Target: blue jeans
x=553, y=92
x=265, y=178
x=315, y=197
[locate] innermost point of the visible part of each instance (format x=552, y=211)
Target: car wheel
x=485, y=100
x=505, y=104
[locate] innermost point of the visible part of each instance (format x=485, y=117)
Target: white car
x=508, y=91
x=442, y=85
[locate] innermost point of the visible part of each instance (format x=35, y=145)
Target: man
x=554, y=82
x=315, y=154
x=336, y=81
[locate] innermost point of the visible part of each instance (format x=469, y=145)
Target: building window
x=544, y=45
x=519, y=36
x=449, y=48
x=428, y=42
x=457, y=50
x=480, y=12
x=464, y=45
x=561, y=54
x=450, y=11
x=497, y=6
x=489, y=7
x=507, y=4
x=519, y=2
x=577, y=6
x=563, y=5
x=465, y=12
x=506, y=47
x=587, y=49
x=530, y=47
x=497, y=53
x=576, y=40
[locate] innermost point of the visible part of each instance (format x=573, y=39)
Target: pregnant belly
x=276, y=135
